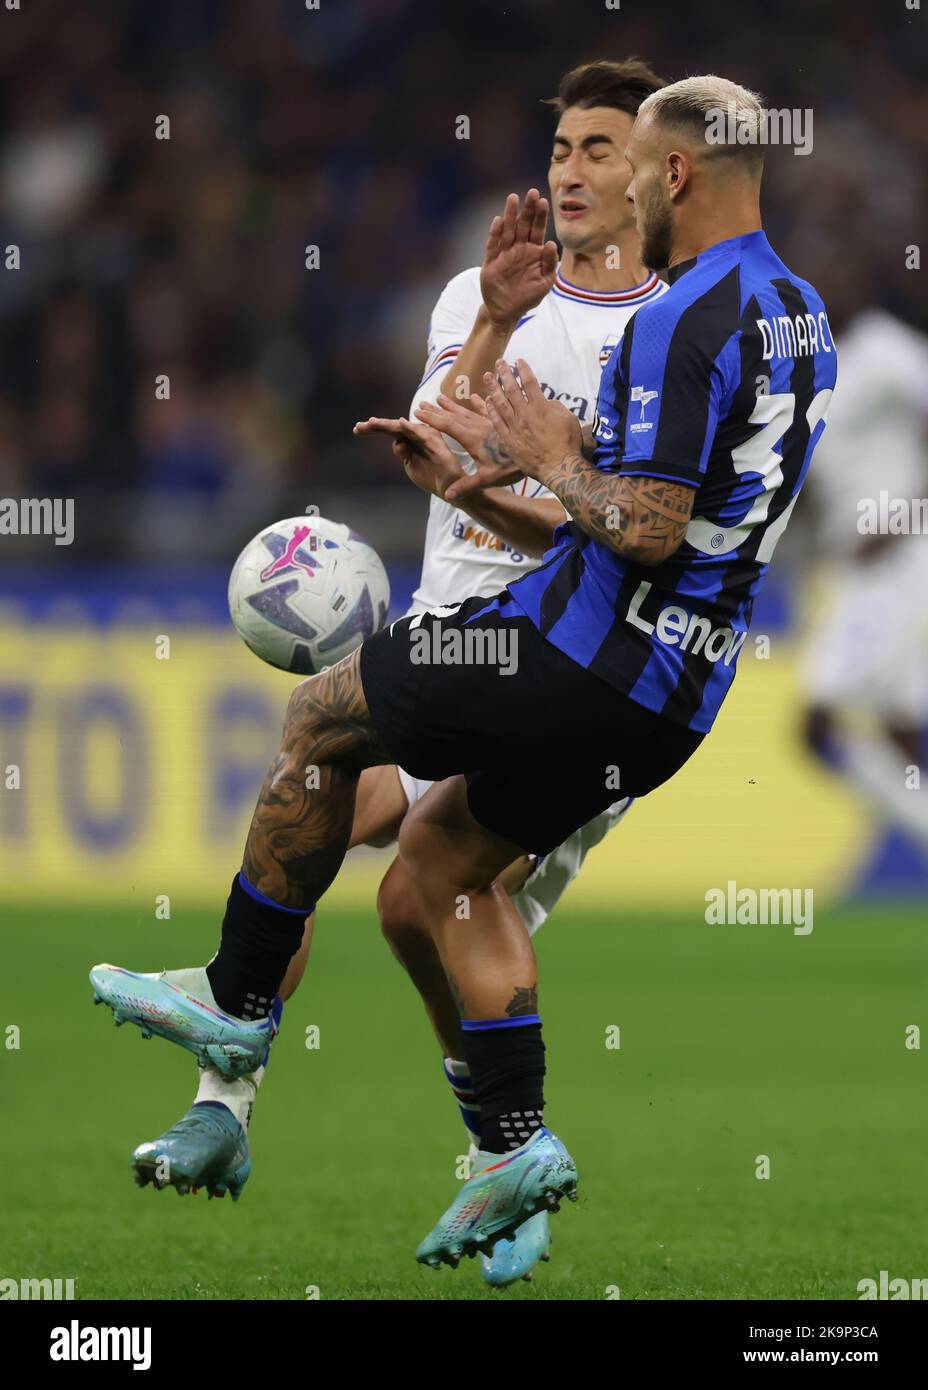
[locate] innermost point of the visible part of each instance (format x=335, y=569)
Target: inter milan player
x=566, y=317
x=628, y=636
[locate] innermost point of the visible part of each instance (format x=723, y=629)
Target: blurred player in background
x=565, y=317
x=865, y=671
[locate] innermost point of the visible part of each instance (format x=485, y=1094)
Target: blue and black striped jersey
x=722, y=384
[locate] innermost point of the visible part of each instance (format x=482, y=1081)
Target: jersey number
x=759, y=455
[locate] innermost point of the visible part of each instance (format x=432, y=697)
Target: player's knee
x=400, y=914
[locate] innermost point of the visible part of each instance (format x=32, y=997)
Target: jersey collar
x=718, y=248
x=613, y=297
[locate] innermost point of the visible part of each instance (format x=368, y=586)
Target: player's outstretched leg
x=298, y=838
x=204, y=1146
x=522, y=1168
x=411, y=942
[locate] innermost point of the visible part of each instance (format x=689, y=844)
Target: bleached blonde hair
x=694, y=103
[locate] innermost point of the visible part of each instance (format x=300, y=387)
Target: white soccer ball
x=307, y=591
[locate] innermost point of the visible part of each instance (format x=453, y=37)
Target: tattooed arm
x=642, y=518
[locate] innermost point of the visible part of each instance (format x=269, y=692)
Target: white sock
x=196, y=982
x=458, y=1076
x=237, y=1095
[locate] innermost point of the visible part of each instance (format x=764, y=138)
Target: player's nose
x=571, y=185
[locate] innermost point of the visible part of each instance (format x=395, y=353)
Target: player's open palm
x=519, y=266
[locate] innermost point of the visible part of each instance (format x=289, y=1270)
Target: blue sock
x=506, y=1057
x=259, y=937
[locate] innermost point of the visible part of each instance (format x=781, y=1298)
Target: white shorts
x=869, y=651
x=554, y=872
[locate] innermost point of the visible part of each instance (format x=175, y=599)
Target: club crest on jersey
x=644, y=399
x=608, y=348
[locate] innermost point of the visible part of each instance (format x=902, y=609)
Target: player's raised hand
x=519, y=266
x=426, y=458
x=474, y=431
x=537, y=433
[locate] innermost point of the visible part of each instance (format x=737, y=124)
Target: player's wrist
x=549, y=464
x=500, y=324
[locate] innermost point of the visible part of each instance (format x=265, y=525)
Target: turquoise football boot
x=502, y=1194
x=207, y=1148
x=157, y=1005
x=516, y=1258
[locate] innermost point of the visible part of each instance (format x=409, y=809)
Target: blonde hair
x=700, y=104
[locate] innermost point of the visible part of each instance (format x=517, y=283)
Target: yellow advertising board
x=130, y=768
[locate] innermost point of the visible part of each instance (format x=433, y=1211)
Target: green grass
x=735, y=1042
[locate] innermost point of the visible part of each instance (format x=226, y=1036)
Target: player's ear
x=679, y=170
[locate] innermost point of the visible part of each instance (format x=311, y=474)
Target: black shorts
x=544, y=748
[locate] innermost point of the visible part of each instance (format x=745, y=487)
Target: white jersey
x=567, y=340
x=868, y=648
x=875, y=441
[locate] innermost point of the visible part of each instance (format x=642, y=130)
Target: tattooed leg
x=299, y=834
x=302, y=823
x=453, y=864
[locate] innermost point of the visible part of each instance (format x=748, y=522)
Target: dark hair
x=621, y=85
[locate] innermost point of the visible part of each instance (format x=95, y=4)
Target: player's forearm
x=643, y=519
x=485, y=344
x=524, y=523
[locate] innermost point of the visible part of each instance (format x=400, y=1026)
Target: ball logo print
x=291, y=557
x=303, y=595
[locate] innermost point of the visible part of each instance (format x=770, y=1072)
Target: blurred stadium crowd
x=335, y=128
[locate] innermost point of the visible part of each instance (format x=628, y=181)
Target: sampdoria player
x=628, y=635
x=864, y=673
x=565, y=318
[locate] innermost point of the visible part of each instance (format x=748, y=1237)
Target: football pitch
x=735, y=1042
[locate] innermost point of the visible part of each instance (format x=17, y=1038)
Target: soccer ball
x=305, y=592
